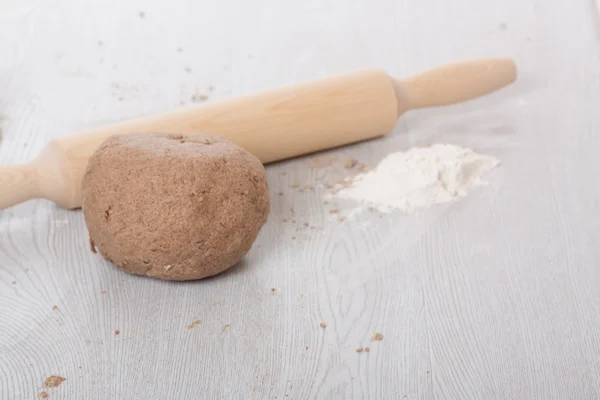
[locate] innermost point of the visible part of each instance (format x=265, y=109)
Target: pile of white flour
x=418, y=178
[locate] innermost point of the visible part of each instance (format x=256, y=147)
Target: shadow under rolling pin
x=273, y=125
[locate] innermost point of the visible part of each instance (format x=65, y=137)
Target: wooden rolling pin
x=273, y=125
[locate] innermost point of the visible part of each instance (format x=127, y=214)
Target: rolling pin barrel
x=273, y=125
x=277, y=124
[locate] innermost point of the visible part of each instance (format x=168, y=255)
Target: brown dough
x=174, y=207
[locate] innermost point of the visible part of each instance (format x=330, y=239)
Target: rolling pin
x=273, y=125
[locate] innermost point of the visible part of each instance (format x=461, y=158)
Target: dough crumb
x=323, y=325
x=350, y=163
x=117, y=332
x=273, y=290
x=225, y=328
x=294, y=185
x=281, y=193
x=367, y=349
x=322, y=162
x=55, y=307
x=193, y=324
x=43, y=395
x=378, y=336
x=199, y=97
x=53, y=381
x=334, y=211
x=344, y=183
x=360, y=350
x=103, y=291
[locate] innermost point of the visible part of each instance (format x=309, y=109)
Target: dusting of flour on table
x=418, y=178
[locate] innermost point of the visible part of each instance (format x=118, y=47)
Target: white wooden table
x=494, y=297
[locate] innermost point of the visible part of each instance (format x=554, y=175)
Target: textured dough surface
x=173, y=207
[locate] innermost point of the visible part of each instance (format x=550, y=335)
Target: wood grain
x=494, y=297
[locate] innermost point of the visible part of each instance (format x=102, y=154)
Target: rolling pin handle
x=454, y=83
x=18, y=183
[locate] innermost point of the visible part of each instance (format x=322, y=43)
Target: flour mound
x=418, y=178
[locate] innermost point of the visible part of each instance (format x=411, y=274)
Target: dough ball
x=173, y=207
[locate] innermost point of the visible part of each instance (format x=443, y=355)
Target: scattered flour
x=418, y=178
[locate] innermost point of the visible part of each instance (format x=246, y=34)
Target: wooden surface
x=494, y=297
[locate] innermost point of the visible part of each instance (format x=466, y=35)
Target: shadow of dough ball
x=173, y=207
